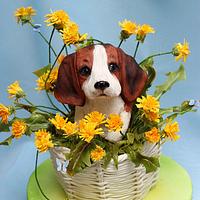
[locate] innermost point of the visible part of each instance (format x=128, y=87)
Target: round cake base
x=174, y=183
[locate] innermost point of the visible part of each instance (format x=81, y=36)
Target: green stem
x=38, y=107
x=120, y=43
x=155, y=55
x=99, y=41
x=136, y=49
x=43, y=37
x=66, y=50
x=36, y=176
x=46, y=107
x=65, y=107
x=50, y=44
x=57, y=59
x=49, y=98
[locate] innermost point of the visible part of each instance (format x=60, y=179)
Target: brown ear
x=68, y=89
x=133, y=78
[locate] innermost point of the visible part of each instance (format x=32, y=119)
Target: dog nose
x=101, y=85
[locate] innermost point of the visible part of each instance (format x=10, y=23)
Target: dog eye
x=85, y=71
x=113, y=67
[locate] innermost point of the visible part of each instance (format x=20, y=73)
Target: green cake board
x=174, y=183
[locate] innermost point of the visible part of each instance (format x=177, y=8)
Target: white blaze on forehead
x=100, y=72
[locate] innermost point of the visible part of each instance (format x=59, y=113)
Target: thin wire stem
x=38, y=107
x=50, y=44
x=36, y=176
x=66, y=50
x=155, y=55
x=66, y=107
x=120, y=43
x=136, y=49
x=44, y=38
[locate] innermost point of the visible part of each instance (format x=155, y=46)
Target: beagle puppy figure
x=100, y=78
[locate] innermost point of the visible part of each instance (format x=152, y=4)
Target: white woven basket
x=96, y=183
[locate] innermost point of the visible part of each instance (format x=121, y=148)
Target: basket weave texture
x=128, y=182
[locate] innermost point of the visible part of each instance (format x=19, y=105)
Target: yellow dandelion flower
x=153, y=135
x=24, y=15
x=59, y=122
x=128, y=28
x=87, y=131
x=97, y=154
x=181, y=51
x=152, y=116
x=70, y=34
x=58, y=19
x=171, y=130
x=43, y=140
x=148, y=104
x=142, y=31
x=70, y=128
x=18, y=128
x=4, y=113
x=114, y=123
x=95, y=117
x=48, y=85
x=14, y=90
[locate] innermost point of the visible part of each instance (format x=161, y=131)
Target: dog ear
x=133, y=78
x=68, y=89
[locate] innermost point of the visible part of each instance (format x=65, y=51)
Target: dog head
x=99, y=71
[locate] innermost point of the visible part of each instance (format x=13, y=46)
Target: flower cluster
x=87, y=138
x=89, y=126
x=131, y=28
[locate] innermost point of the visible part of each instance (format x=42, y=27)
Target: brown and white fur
x=100, y=78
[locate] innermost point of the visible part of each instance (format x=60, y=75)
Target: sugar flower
x=153, y=135
x=114, y=123
x=95, y=117
x=171, y=130
x=70, y=34
x=181, y=51
x=58, y=19
x=97, y=154
x=24, y=15
x=46, y=81
x=87, y=131
x=148, y=104
x=14, y=90
x=142, y=31
x=70, y=128
x=43, y=140
x=152, y=116
x=59, y=122
x=18, y=128
x=4, y=113
x=128, y=28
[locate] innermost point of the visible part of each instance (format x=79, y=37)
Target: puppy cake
x=105, y=142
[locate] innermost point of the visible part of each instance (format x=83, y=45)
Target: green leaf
x=7, y=141
x=106, y=160
x=75, y=161
x=85, y=157
x=150, y=163
x=38, y=126
x=147, y=65
x=172, y=77
x=130, y=137
x=42, y=70
x=4, y=127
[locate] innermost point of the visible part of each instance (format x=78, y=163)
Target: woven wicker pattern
x=96, y=183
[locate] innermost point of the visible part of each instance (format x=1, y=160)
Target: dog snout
x=101, y=85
